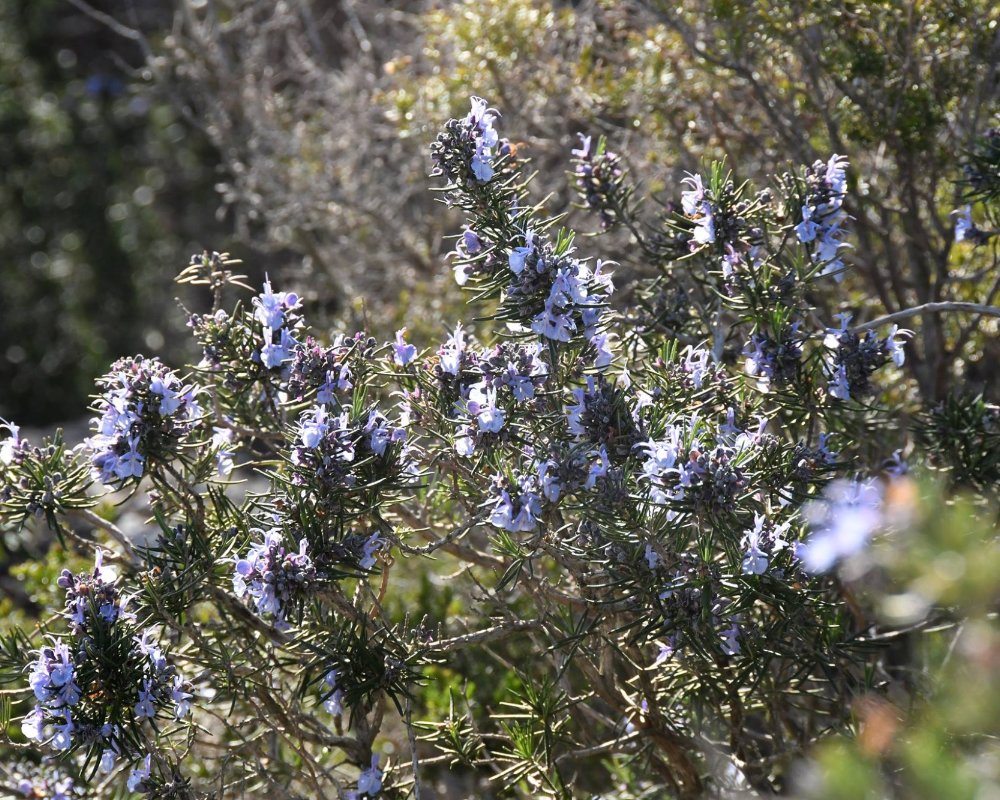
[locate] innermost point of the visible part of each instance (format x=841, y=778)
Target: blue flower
x=372, y=545
x=334, y=703
x=518, y=514
x=822, y=213
x=313, y=427
x=221, y=442
x=130, y=463
x=139, y=775
x=402, y=352
x=181, y=698
x=270, y=308
x=450, y=354
x=553, y=324
x=604, y=356
x=483, y=404
x=548, y=478
x=842, y=522
x=965, y=228
x=272, y=576
x=145, y=709
x=274, y=354
x=107, y=763
x=697, y=206
x=480, y=119
x=370, y=780
x=63, y=740
x=9, y=446
x=32, y=724
x=696, y=364
x=583, y=151
x=760, y=543
x=519, y=255
x=894, y=345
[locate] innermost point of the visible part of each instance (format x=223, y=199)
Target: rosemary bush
x=641, y=535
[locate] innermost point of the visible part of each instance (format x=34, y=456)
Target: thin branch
x=408, y=716
x=109, y=527
x=929, y=308
x=486, y=635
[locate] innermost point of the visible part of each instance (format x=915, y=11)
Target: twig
x=929, y=308
x=413, y=748
x=486, y=635
x=115, y=532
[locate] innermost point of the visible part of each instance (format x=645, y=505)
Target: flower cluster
x=38, y=480
x=145, y=412
x=517, y=504
x=679, y=468
x=334, y=455
x=571, y=293
x=599, y=175
x=46, y=784
x=82, y=684
x=823, y=214
x=323, y=370
x=690, y=603
x=775, y=361
x=601, y=416
x=469, y=147
x=854, y=358
x=472, y=255
x=53, y=680
x=215, y=334
x=275, y=313
x=272, y=577
x=94, y=598
x=486, y=383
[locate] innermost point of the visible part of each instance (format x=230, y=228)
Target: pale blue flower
x=107, y=763
x=32, y=724
x=759, y=545
x=313, y=427
x=842, y=522
x=334, y=704
x=519, y=255
x=584, y=150
x=894, y=344
x=372, y=545
x=139, y=774
x=180, y=698
x=402, y=352
x=450, y=354
x=553, y=324
x=652, y=557
x=370, y=780
x=548, y=478
x=9, y=446
x=604, y=357
x=144, y=708
x=465, y=444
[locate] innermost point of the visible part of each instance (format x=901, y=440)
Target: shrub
x=657, y=522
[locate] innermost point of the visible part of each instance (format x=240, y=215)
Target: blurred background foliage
x=136, y=134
